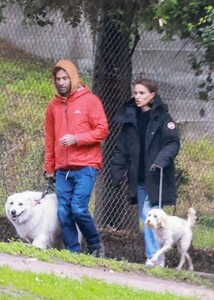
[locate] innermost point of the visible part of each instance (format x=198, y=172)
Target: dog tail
x=191, y=217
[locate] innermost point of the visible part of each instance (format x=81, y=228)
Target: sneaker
x=99, y=252
x=151, y=263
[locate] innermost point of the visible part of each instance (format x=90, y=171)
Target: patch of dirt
x=135, y=281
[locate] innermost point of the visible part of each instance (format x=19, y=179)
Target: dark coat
x=162, y=146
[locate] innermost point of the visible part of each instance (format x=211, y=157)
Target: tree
x=194, y=21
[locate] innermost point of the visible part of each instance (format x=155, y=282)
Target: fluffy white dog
x=35, y=219
x=171, y=230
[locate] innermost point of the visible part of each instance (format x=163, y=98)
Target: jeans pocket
x=93, y=173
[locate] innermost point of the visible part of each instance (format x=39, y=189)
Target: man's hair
x=55, y=70
x=150, y=84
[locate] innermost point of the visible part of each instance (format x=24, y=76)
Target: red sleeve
x=98, y=123
x=49, y=141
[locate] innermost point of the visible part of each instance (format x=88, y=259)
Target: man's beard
x=64, y=93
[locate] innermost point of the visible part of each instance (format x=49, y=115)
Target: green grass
x=27, y=285
x=26, y=89
x=199, y=151
x=53, y=255
x=203, y=237
x=196, y=160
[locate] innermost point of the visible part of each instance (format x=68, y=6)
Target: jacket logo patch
x=77, y=111
x=171, y=125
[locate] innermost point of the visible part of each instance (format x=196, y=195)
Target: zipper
x=66, y=117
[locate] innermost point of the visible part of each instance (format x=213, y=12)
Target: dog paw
x=150, y=262
x=191, y=268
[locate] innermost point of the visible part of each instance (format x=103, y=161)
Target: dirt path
x=131, y=280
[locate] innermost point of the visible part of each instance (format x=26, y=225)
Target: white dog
x=35, y=219
x=171, y=230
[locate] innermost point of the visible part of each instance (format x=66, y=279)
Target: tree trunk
x=112, y=83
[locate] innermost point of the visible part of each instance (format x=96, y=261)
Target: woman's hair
x=150, y=84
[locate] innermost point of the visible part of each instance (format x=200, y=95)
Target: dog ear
x=162, y=218
x=8, y=199
x=27, y=197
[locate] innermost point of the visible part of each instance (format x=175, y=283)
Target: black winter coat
x=162, y=146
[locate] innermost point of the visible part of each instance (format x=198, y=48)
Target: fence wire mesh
x=27, y=53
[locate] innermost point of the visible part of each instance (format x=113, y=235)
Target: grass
x=27, y=285
x=26, y=90
x=203, y=237
x=53, y=255
x=196, y=162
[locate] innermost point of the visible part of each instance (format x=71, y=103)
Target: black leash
x=50, y=187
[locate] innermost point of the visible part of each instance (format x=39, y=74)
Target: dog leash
x=160, y=191
x=50, y=187
x=160, y=187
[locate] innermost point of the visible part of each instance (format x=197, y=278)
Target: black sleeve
x=119, y=159
x=170, y=143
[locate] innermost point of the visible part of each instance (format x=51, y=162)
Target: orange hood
x=71, y=70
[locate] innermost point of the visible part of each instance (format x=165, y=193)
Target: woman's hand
x=154, y=167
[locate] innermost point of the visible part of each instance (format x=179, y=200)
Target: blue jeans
x=151, y=244
x=73, y=189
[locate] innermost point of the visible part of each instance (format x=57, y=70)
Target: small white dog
x=35, y=219
x=171, y=230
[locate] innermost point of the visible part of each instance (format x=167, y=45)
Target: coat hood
x=128, y=111
x=158, y=107
x=71, y=70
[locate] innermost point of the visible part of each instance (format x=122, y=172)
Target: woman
x=148, y=140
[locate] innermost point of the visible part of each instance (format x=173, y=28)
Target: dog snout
x=147, y=221
x=13, y=212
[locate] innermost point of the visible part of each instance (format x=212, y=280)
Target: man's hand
x=50, y=177
x=68, y=139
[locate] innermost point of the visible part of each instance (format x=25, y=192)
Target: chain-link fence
x=27, y=53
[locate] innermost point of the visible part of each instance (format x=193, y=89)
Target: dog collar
x=37, y=201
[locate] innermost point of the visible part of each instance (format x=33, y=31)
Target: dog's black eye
x=20, y=204
x=155, y=216
x=11, y=203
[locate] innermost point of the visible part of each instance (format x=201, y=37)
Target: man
x=75, y=126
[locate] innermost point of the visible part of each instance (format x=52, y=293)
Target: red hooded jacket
x=81, y=114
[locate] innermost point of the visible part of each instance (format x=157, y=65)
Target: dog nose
x=13, y=212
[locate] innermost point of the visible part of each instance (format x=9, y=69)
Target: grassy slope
x=52, y=255
x=26, y=285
